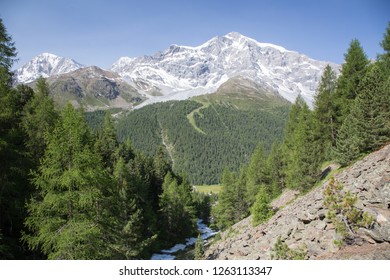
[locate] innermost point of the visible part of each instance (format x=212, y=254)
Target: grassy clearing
x=191, y=119
x=208, y=188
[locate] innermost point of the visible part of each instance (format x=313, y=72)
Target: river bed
x=168, y=254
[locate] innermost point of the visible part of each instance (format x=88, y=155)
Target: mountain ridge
x=182, y=72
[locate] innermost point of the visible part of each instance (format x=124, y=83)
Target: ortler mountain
x=181, y=72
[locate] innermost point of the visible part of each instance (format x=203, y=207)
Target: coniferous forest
x=68, y=191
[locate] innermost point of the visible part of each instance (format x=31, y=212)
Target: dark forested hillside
x=203, y=137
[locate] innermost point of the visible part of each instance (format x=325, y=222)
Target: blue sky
x=99, y=32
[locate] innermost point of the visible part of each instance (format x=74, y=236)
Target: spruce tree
x=39, y=119
x=69, y=217
x=177, y=209
x=348, y=83
x=300, y=147
x=261, y=210
x=325, y=111
x=372, y=106
x=14, y=160
x=133, y=238
x=275, y=166
x=107, y=144
x=385, y=44
x=256, y=174
x=199, y=249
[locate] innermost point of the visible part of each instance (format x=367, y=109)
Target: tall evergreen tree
x=348, y=83
x=38, y=119
x=256, y=174
x=107, y=143
x=133, y=238
x=177, y=209
x=368, y=126
x=300, y=148
x=68, y=219
x=14, y=162
x=325, y=111
x=232, y=204
x=385, y=44
x=275, y=166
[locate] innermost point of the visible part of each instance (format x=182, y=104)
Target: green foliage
x=301, y=149
x=230, y=135
x=325, y=112
x=232, y=205
x=7, y=50
x=199, y=249
x=256, y=174
x=14, y=160
x=261, y=210
x=66, y=217
x=342, y=210
x=39, y=117
x=178, y=218
x=283, y=252
x=348, y=83
x=367, y=127
x=202, y=204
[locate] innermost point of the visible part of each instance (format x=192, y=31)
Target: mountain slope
x=94, y=88
x=302, y=224
x=208, y=133
x=45, y=65
x=181, y=72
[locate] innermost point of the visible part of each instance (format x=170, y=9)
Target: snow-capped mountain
x=45, y=65
x=180, y=72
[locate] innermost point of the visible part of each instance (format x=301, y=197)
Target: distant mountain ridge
x=181, y=72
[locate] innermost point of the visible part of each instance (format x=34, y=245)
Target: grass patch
x=208, y=188
x=191, y=118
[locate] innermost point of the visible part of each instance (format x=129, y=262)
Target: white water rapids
x=205, y=233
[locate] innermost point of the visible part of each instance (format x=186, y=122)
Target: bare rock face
x=303, y=223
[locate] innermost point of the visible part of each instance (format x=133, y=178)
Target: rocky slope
x=94, y=88
x=303, y=223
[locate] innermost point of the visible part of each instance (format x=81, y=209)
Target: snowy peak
x=45, y=65
x=180, y=72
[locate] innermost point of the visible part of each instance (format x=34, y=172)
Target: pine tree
x=14, y=161
x=68, y=219
x=107, y=144
x=261, y=210
x=372, y=106
x=39, y=119
x=232, y=205
x=256, y=174
x=302, y=154
x=347, y=144
x=275, y=166
x=177, y=209
x=385, y=44
x=133, y=238
x=199, y=249
x=7, y=54
x=325, y=111
x=348, y=83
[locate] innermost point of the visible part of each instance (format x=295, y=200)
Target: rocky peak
x=45, y=65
